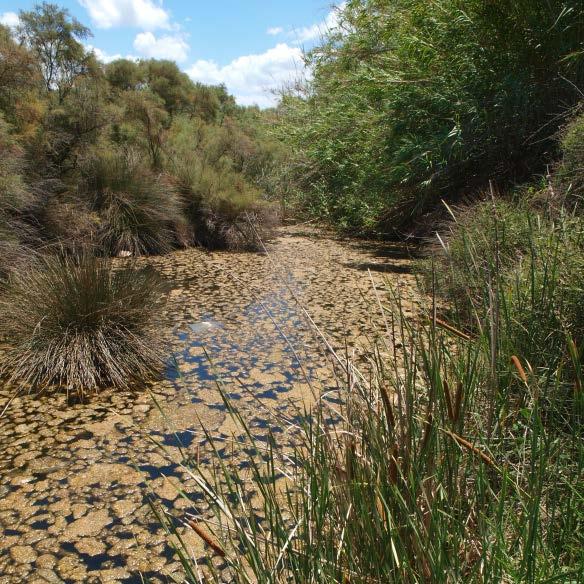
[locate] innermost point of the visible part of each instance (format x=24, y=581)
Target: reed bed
x=453, y=457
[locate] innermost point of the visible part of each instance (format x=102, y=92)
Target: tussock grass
x=139, y=210
x=77, y=323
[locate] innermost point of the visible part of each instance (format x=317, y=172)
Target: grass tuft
x=76, y=322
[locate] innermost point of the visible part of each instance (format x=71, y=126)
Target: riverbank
x=73, y=501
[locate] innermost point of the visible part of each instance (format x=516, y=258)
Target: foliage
x=571, y=170
x=14, y=194
x=413, y=101
x=535, y=262
x=18, y=82
x=97, y=146
x=55, y=37
x=76, y=322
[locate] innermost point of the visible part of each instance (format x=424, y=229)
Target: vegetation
x=128, y=156
x=74, y=322
x=457, y=452
x=456, y=455
x=412, y=102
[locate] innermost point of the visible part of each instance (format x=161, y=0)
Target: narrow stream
x=73, y=477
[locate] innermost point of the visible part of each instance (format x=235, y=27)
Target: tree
x=145, y=109
x=124, y=75
x=19, y=81
x=54, y=36
x=166, y=80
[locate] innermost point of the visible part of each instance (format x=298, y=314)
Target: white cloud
x=105, y=57
x=315, y=31
x=252, y=78
x=173, y=47
x=145, y=14
x=9, y=19
x=275, y=30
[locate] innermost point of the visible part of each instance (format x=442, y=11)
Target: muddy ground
x=74, y=477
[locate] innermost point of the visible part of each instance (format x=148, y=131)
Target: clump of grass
x=70, y=223
x=77, y=323
x=535, y=259
x=138, y=210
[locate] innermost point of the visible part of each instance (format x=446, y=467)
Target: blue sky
x=253, y=46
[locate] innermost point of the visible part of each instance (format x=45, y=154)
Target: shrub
x=224, y=207
x=12, y=250
x=139, y=211
x=70, y=222
x=14, y=193
x=76, y=322
x=413, y=101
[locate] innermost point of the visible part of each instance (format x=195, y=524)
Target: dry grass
x=74, y=322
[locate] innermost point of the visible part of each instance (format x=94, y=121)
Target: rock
x=22, y=429
x=45, y=465
x=79, y=510
x=49, y=576
x=113, y=575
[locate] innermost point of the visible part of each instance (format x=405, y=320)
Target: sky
x=252, y=46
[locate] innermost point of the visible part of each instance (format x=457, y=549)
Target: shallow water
x=73, y=504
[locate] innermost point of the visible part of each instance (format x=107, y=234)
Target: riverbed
x=74, y=476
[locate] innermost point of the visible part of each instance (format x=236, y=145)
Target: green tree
x=54, y=36
x=19, y=82
x=124, y=75
x=166, y=80
x=145, y=124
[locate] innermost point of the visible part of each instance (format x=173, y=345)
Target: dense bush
x=14, y=193
x=217, y=169
x=128, y=156
x=75, y=322
x=413, y=101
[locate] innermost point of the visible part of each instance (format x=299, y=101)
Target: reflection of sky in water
x=269, y=334
x=254, y=353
